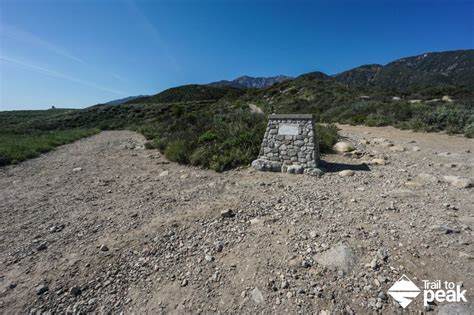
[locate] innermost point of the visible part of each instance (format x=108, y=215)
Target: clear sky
x=76, y=53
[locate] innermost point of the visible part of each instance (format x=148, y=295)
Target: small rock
x=305, y=264
x=42, y=288
x=164, y=173
x=314, y=172
x=374, y=264
x=184, y=283
x=42, y=246
x=378, y=161
x=208, y=258
x=295, y=169
x=285, y=285
x=228, y=213
x=56, y=228
x=104, y=248
x=340, y=257
x=75, y=291
x=255, y=221
x=342, y=147
x=459, y=181
x=444, y=229
x=397, y=148
x=346, y=173
x=77, y=169
x=218, y=246
x=257, y=296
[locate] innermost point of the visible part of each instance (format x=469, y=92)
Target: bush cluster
x=218, y=139
x=452, y=118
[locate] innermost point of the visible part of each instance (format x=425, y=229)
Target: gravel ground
x=103, y=225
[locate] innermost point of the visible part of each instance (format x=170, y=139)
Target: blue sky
x=72, y=53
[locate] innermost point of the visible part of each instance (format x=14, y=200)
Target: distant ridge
x=454, y=68
x=249, y=82
x=191, y=93
x=124, y=100
x=440, y=73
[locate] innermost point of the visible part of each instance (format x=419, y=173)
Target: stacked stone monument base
x=289, y=145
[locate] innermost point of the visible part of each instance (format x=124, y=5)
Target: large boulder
x=343, y=146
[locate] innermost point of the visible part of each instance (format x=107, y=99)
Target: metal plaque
x=288, y=129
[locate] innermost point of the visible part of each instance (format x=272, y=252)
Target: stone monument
x=289, y=145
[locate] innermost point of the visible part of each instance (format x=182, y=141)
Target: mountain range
x=247, y=82
x=426, y=70
x=437, y=72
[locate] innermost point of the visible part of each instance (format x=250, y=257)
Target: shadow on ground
x=337, y=167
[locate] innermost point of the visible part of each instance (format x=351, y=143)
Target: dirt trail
x=170, y=250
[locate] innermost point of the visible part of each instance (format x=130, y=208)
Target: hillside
x=125, y=100
x=311, y=93
x=453, y=70
x=191, y=93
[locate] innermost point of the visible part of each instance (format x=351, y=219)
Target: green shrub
x=327, y=137
x=207, y=136
x=377, y=120
x=178, y=151
x=469, y=130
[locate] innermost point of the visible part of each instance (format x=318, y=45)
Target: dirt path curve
x=105, y=225
x=434, y=142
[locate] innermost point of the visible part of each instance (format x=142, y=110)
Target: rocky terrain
x=103, y=225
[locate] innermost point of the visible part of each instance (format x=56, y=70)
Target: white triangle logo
x=404, y=291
